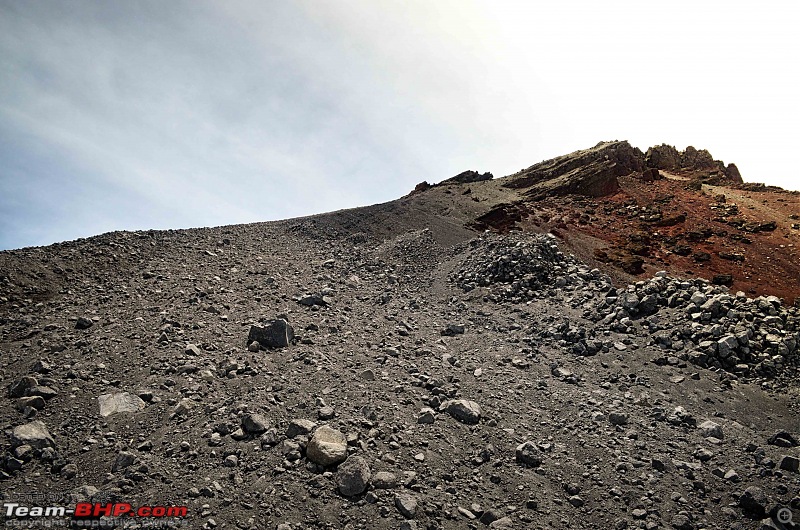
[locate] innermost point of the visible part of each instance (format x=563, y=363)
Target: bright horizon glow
x=129, y=116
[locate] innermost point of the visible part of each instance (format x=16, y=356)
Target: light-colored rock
x=34, y=434
x=406, y=504
x=327, y=447
x=464, y=411
x=119, y=402
x=710, y=429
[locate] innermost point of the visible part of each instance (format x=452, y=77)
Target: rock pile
x=706, y=325
x=519, y=268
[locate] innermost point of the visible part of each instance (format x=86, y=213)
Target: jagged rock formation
x=468, y=177
x=700, y=162
x=591, y=172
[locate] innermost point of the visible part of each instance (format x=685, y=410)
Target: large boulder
x=468, y=177
x=732, y=172
x=663, y=156
x=693, y=158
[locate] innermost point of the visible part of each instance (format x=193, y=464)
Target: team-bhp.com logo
x=110, y=514
x=88, y=509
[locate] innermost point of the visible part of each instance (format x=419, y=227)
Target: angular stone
x=353, y=476
x=326, y=413
x=20, y=388
x=406, y=504
x=183, y=407
x=576, y=501
x=384, y=480
x=83, y=323
x=36, y=402
x=275, y=334
x=710, y=429
x=789, y=463
x=783, y=439
x=504, y=523
x=34, y=434
x=119, y=402
x=426, y=416
x=327, y=447
x=464, y=411
x=124, y=459
x=618, y=418
x=527, y=453
x=753, y=501
x=300, y=426
x=254, y=423
x=42, y=391
x=453, y=329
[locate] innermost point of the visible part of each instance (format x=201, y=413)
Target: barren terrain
x=572, y=346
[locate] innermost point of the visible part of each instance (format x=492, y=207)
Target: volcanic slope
x=411, y=369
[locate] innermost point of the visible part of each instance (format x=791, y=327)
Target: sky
x=152, y=114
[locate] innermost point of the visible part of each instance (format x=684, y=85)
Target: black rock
x=276, y=334
x=782, y=439
x=753, y=502
x=83, y=323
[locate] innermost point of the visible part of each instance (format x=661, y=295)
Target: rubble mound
x=706, y=325
x=519, y=268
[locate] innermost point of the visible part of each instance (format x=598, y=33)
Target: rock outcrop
x=468, y=177
x=591, y=172
x=691, y=160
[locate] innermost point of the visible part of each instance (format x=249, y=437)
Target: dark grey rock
x=83, y=323
x=753, y=501
x=276, y=333
x=353, y=476
x=124, y=459
x=406, y=504
x=529, y=454
x=790, y=463
x=254, y=424
x=21, y=387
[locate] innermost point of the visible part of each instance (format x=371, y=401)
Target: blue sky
x=136, y=115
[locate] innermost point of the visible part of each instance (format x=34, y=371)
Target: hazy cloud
x=130, y=115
